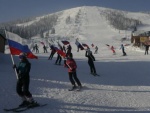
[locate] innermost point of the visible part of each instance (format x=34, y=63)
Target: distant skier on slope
x=59, y=58
x=53, y=51
x=36, y=48
x=96, y=50
x=71, y=64
x=123, y=50
x=113, y=50
x=146, y=49
x=91, y=60
x=45, y=49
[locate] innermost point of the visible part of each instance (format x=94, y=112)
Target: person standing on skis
x=23, y=81
x=71, y=65
x=91, y=60
x=123, y=50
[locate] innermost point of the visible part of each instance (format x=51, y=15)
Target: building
x=139, y=38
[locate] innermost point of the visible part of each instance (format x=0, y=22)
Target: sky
x=16, y=9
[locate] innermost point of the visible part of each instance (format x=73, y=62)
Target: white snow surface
x=122, y=87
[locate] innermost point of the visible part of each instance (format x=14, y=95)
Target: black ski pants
x=73, y=78
x=92, y=66
x=22, y=87
x=58, y=59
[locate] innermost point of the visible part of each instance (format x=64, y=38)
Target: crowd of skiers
x=23, y=69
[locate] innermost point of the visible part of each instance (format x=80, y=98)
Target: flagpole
x=11, y=55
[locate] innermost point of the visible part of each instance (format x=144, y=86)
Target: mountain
x=79, y=22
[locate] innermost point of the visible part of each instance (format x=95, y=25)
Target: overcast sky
x=16, y=9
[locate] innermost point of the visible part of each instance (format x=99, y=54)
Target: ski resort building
x=140, y=38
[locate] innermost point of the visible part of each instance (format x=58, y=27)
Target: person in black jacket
x=91, y=58
x=146, y=49
x=23, y=81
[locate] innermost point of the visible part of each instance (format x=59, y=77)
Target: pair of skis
x=21, y=109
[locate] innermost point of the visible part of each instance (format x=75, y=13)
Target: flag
x=85, y=45
x=42, y=43
x=65, y=42
x=79, y=45
x=16, y=47
x=60, y=52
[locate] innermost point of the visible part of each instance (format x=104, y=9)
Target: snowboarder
x=123, y=51
x=91, y=58
x=71, y=65
x=23, y=81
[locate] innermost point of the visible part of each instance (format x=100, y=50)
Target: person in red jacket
x=71, y=64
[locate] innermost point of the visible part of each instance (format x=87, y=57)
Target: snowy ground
x=123, y=85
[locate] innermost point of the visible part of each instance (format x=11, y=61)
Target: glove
x=14, y=66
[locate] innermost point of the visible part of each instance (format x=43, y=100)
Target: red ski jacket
x=71, y=64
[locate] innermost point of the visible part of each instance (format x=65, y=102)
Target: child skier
x=22, y=87
x=71, y=64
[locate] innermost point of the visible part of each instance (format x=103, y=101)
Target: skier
x=33, y=49
x=91, y=58
x=53, y=51
x=146, y=49
x=36, y=48
x=113, y=50
x=71, y=64
x=45, y=49
x=69, y=48
x=77, y=39
x=23, y=81
x=123, y=51
x=58, y=60
x=96, y=49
